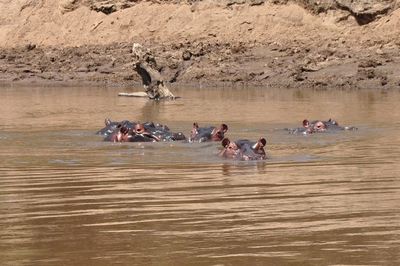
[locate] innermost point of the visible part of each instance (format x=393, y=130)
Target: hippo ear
x=107, y=121
x=224, y=127
x=305, y=122
x=225, y=142
x=263, y=141
x=195, y=125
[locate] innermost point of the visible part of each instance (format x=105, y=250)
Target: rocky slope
x=302, y=43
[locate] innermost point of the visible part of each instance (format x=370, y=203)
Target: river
x=68, y=198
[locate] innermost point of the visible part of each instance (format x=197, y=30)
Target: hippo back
x=249, y=152
x=203, y=134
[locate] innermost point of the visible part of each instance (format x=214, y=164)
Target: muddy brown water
x=68, y=198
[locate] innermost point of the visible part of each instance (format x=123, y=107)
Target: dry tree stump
x=145, y=65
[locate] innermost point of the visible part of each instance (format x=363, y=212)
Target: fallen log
x=133, y=94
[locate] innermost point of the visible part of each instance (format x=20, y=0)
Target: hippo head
x=218, y=133
x=258, y=149
x=121, y=133
x=259, y=145
x=318, y=126
x=231, y=149
x=314, y=126
x=139, y=128
x=112, y=127
x=202, y=134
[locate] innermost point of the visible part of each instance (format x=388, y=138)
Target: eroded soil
x=238, y=43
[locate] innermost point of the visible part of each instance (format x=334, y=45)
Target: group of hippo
x=127, y=131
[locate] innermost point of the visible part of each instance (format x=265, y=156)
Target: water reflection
x=69, y=198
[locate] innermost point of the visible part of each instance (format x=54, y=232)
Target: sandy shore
x=201, y=44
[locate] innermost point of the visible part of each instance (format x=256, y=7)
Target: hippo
x=319, y=126
x=150, y=132
x=243, y=150
x=111, y=126
x=162, y=132
x=210, y=133
x=127, y=131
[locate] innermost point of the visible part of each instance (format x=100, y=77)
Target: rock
x=83, y=69
x=68, y=5
x=109, y=6
x=365, y=11
x=366, y=73
x=198, y=49
x=369, y=63
x=318, y=6
x=186, y=55
x=105, y=70
x=128, y=77
x=104, y=8
x=30, y=46
x=235, y=2
x=384, y=80
x=256, y=2
x=310, y=68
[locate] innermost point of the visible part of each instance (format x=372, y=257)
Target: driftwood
x=153, y=82
x=133, y=94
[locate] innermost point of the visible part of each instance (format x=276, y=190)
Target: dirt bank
x=292, y=44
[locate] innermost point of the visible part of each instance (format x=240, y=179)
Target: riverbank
x=200, y=44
